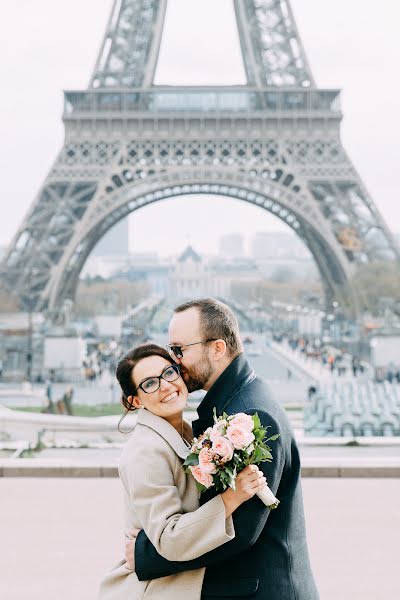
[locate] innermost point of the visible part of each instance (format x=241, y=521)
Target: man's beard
x=196, y=377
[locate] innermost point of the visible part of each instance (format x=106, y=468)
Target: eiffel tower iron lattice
x=274, y=143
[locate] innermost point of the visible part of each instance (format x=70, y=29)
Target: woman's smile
x=170, y=397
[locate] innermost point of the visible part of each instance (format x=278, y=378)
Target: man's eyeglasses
x=152, y=384
x=178, y=350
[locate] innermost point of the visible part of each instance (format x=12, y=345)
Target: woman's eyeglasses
x=152, y=384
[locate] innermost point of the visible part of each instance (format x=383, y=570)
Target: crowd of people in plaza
x=390, y=374
x=102, y=357
x=338, y=361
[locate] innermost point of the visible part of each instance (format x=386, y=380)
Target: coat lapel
x=200, y=425
x=165, y=430
x=222, y=392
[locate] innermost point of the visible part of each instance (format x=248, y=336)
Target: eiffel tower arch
x=274, y=142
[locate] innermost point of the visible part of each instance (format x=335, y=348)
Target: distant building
x=144, y=258
x=267, y=245
x=193, y=276
x=231, y=245
x=189, y=277
x=156, y=274
x=19, y=338
x=115, y=242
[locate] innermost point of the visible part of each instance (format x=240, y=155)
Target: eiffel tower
x=274, y=142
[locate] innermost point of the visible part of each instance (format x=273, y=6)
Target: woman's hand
x=130, y=542
x=248, y=482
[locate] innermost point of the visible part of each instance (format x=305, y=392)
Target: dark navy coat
x=268, y=559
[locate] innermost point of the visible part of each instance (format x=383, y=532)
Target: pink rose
x=242, y=420
x=239, y=437
x=223, y=448
x=206, y=461
x=202, y=477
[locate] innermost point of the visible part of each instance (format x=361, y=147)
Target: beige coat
x=163, y=500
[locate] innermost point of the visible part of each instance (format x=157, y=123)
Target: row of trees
x=98, y=296
x=378, y=284
x=265, y=291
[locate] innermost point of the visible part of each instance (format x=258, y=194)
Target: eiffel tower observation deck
x=274, y=142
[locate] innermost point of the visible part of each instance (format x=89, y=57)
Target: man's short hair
x=217, y=321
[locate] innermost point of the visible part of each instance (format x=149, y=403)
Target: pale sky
x=47, y=46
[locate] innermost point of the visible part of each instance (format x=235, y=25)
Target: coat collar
x=222, y=391
x=165, y=430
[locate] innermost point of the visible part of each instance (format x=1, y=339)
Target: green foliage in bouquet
x=222, y=451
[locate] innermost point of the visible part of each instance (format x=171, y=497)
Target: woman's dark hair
x=126, y=366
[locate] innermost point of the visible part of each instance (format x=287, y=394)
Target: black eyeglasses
x=152, y=384
x=178, y=350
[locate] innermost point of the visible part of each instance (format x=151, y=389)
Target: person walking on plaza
x=48, y=384
x=268, y=557
x=67, y=400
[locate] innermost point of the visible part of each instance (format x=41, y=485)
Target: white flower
x=218, y=429
x=250, y=449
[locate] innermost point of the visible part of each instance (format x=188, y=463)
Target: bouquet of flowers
x=222, y=451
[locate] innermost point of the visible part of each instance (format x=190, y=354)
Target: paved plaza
x=59, y=535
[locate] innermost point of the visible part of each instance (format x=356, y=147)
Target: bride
x=159, y=496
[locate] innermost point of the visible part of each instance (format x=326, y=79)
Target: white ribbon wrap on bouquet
x=268, y=497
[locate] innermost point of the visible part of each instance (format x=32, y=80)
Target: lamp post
x=29, y=355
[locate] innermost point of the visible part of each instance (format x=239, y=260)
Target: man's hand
x=130, y=541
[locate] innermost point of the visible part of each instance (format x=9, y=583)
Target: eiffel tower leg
x=43, y=236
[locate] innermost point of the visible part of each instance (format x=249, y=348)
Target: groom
x=268, y=558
